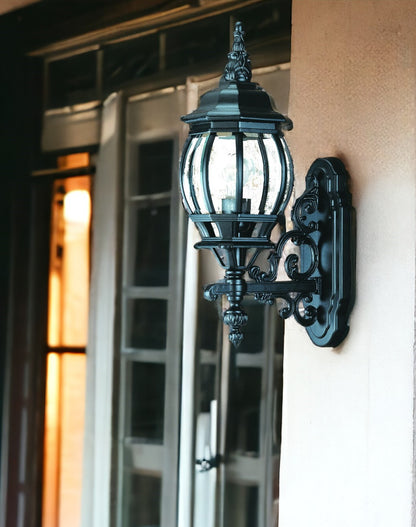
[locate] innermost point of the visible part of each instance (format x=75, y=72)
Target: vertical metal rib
x=204, y=172
x=240, y=167
x=283, y=182
x=289, y=184
x=265, y=173
x=191, y=185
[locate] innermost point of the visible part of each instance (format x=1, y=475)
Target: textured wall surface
x=347, y=453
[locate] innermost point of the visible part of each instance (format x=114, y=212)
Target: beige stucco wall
x=347, y=452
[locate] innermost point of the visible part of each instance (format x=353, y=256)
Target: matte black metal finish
x=237, y=105
x=320, y=292
x=318, y=286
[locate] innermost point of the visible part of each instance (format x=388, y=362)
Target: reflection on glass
x=207, y=386
x=142, y=497
x=72, y=80
x=244, y=412
x=151, y=261
x=196, y=174
x=222, y=170
x=253, y=172
x=147, y=401
x=275, y=171
x=127, y=61
x=186, y=179
x=253, y=331
x=186, y=48
x=208, y=325
x=155, y=167
x=241, y=505
x=147, y=323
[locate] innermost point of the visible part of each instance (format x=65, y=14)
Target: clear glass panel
x=147, y=403
x=253, y=173
x=208, y=324
x=185, y=48
x=222, y=173
x=244, y=412
x=142, y=500
x=196, y=174
x=207, y=386
x=150, y=235
x=154, y=167
x=185, y=176
x=146, y=323
x=129, y=61
x=253, y=331
x=241, y=505
x=275, y=173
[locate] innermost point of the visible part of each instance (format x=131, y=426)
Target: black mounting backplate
x=336, y=239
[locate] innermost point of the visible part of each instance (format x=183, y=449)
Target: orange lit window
x=67, y=338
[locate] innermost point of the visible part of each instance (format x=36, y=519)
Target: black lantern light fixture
x=236, y=178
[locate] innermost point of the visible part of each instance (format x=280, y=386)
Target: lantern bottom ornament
x=320, y=289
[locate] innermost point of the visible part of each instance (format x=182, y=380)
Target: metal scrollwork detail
x=264, y=298
x=297, y=303
x=304, y=207
x=260, y=276
x=292, y=261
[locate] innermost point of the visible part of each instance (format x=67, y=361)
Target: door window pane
x=147, y=401
x=154, y=167
x=148, y=323
x=151, y=260
x=244, y=422
x=142, y=495
x=241, y=505
x=253, y=331
x=207, y=386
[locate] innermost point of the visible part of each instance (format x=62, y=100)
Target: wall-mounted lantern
x=236, y=178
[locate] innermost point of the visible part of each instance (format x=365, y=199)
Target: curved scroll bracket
x=320, y=291
x=334, y=235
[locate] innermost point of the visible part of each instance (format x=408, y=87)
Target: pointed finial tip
x=238, y=67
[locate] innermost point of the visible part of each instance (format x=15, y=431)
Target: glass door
x=151, y=313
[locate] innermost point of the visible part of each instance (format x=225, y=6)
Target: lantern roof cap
x=237, y=104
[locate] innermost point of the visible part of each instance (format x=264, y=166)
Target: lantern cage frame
x=318, y=252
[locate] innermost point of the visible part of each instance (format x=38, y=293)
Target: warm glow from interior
x=69, y=263
x=77, y=207
x=81, y=159
x=67, y=328
x=64, y=429
x=51, y=444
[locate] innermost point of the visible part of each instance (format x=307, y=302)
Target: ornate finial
x=239, y=65
x=235, y=318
